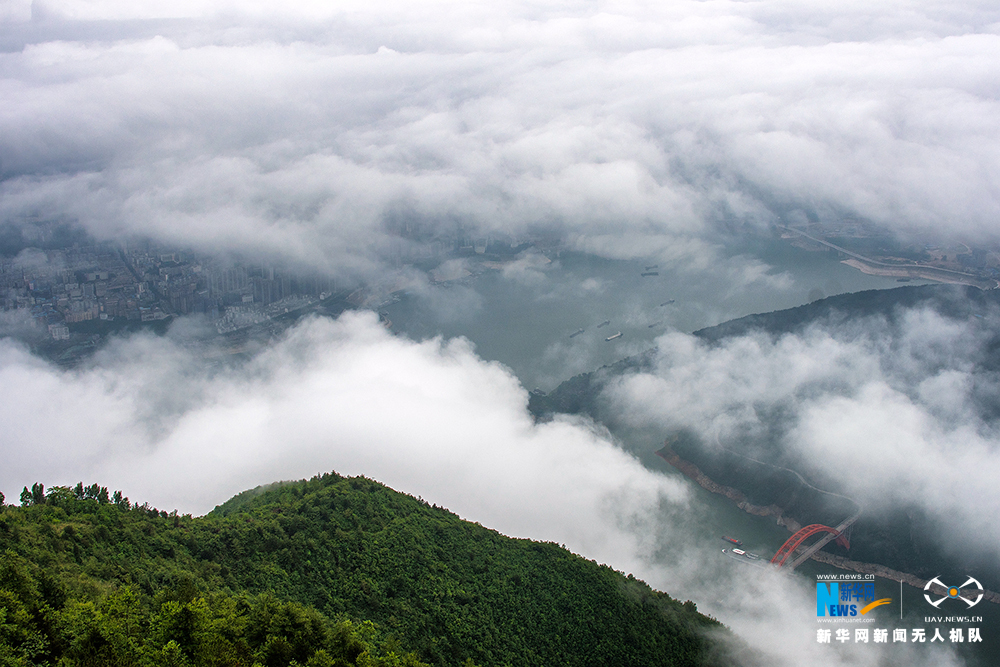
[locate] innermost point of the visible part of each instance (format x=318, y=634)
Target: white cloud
x=892, y=413
x=153, y=418
x=429, y=418
x=296, y=130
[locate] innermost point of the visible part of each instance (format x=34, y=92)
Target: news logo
x=844, y=598
x=954, y=592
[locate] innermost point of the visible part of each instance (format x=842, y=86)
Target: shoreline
x=692, y=471
x=921, y=272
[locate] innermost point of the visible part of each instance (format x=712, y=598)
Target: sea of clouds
x=308, y=133
x=305, y=131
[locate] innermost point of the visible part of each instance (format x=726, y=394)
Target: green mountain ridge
x=329, y=571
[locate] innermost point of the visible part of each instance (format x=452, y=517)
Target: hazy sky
x=308, y=132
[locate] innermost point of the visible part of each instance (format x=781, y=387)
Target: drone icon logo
x=954, y=592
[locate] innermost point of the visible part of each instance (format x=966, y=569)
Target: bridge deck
x=823, y=541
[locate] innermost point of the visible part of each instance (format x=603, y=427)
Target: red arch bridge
x=796, y=540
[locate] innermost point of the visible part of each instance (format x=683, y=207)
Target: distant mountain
x=578, y=395
x=330, y=571
x=953, y=301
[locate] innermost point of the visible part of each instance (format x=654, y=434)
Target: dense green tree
x=329, y=571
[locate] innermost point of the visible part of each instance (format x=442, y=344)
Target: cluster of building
x=142, y=282
x=60, y=287
x=66, y=286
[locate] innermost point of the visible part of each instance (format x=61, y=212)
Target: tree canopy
x=329, y=571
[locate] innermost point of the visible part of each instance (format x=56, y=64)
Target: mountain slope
x=330, y=547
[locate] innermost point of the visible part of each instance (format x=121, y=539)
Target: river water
x=524, y=316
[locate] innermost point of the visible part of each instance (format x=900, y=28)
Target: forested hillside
x=330, y=571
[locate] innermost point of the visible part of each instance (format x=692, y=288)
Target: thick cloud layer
x=892, y=414
x=180, y=429
x=152, y=418
x=322, y=133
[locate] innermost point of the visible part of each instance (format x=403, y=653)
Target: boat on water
x=743, y=557
x=667, y=303
x=733, y=540
x=654, y=266
x=604, y=324
x=649, y=273
x=610, y=338
x=655, y=324
x=576, y=333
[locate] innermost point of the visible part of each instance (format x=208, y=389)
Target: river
x=524, y=317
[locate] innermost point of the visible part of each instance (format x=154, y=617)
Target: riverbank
x=922, y=272
x=692, y=471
